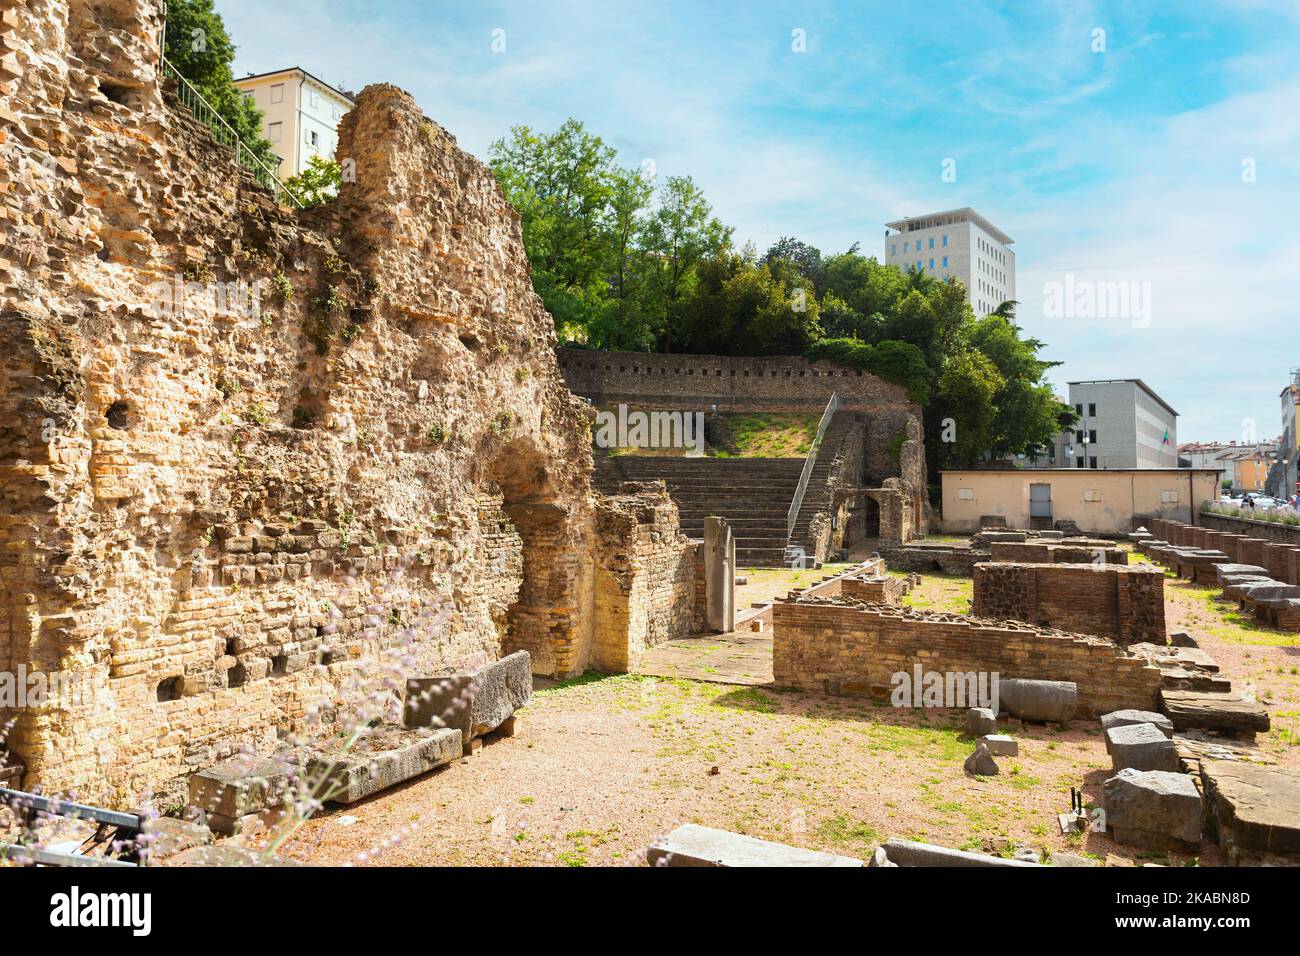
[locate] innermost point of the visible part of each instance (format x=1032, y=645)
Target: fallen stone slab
x=1039, y=700
x=1124, y=718
x=392, y=757
x=1255, y=811
x=1141, y=747
x=1153, y=810
x=913, y=853
x=475, y=702
x=1227, y=713
x=1073, y=859
x=980, y=721
x=981, y=762
x=694, y=845
x=1182, y=639
x=1001, y=745
x=1224, y=570
x=237, y=787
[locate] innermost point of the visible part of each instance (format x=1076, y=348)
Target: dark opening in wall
x=280, y=664
x=170, y=689
x=470, y=342
x=117, y=415
x=115, y=92
x=230, y=646
x=237, y=676
x=326, y=656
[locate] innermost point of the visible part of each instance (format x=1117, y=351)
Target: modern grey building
x=1122, y=424
x=958, y=243
x=1289, y=449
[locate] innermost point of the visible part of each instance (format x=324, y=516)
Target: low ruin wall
x=1269, y=530
x=1035, y=553
x=1116, y=601
x=845, y=647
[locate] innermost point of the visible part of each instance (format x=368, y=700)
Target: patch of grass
x=841, y=831
x=772, y=435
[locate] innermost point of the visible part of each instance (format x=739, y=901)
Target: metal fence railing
x=793, y=515
x=225, y=134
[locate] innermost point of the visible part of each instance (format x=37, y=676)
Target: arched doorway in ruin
x=538, y=567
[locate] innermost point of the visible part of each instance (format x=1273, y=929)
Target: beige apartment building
x=1100, y=502
x=301, y=114
x=958, y=243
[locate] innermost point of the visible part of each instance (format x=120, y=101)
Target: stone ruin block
x=474, y=703
x=1141, y=746
x=389, y=758
x=694, y=845
x=1123, y=718
x=1255, y=811
x=980, y=721
x=1154, y=810
x=232, y=790
x=1048, y=701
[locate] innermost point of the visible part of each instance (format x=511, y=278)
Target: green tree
x=678, y=235
x=318, y=183
x=198, y=46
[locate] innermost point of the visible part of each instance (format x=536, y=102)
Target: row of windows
x=893, y=246
x=989, y=270
x=275, y=132
x=920, y=264
x=313, y=99
x=1092, y=409
x=992, y=250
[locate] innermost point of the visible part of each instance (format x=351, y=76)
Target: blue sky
x=1118, y=166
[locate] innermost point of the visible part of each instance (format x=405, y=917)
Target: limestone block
x=238, y=786
x=1141, y=746
x=1001, y=745
x=980, y=721
x=390, y=758
x=981, y=762
x=1122, y=718
x=694, y=845
x=1153, y=809
x=1041, y=700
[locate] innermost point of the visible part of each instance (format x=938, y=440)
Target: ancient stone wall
x=244, y=452
x=845, y=647
x=695, y=382
x=1116, y=601
x=1047, y=553
x=645, y=578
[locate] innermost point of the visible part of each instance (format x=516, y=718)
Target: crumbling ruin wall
x=645, y=577
x=846, y=647
x=244, y=451
x=1118, y=601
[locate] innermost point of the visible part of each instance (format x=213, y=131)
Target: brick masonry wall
x=1270, y=530
x=1116, y=601
x=646, y=579
x=855, y=649
x=1037, y=553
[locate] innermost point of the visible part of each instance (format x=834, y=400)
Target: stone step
x=1227, y=713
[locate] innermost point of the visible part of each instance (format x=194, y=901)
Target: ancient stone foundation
x=840, y=646
x=1117, y=601
x=245, y=452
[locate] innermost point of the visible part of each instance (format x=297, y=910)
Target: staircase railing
x=793, y=515
x=225, y=134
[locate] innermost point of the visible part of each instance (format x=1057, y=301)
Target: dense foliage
x=623, y=262
x=201, y=50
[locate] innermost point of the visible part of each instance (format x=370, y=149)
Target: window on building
x=1092, y=461
x=1092, y=437
x=1078, y=436
x=931, y=242
x=1079, y=461
x=1092, y=408
x=945, y=242
x=274, y=131
x=904, y=247
x=277, y=93
x=313, y=138
x=1078, y=409
x=893, y=248
x=932, y=262
x=313, y=98
x=945, y=262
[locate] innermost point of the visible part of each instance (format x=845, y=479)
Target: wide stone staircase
x=753, y=494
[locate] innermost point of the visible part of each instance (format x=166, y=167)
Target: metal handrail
x=792, y=516
x=224, y=133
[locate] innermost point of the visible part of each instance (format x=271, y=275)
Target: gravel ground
x=604, y=765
